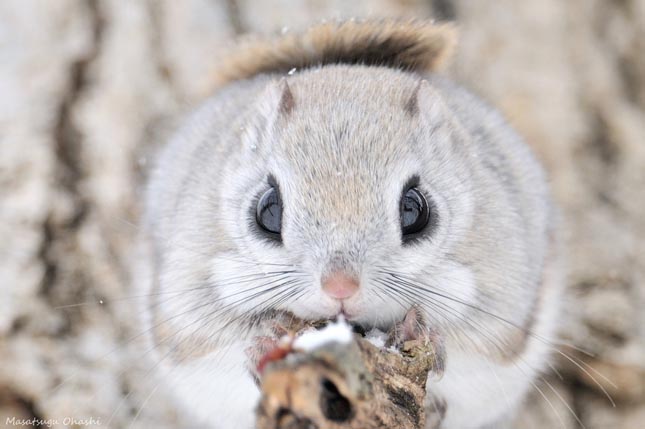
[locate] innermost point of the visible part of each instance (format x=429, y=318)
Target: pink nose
x=339, y=285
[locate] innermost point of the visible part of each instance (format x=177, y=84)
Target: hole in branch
x=334, y=406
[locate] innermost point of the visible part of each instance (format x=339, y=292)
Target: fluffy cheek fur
x=378, y=306
x=268, y=284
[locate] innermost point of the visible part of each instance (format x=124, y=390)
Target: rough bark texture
x=346, y=386
x=354, y=384
x=90, y=88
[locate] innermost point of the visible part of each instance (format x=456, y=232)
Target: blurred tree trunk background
x=89, y=90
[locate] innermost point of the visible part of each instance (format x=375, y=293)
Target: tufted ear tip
x=276, y=102
x=287, y=102
x=424, y=100
x=412, y=105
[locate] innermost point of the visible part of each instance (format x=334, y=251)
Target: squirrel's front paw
x=413, y=331
x=274, y=345
x=259, y=353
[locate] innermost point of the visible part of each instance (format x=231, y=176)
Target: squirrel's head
x=351, y=186
x=350, y=190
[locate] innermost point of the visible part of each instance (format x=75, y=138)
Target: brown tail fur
x=414, y=45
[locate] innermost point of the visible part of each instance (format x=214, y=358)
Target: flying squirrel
x=334, y=172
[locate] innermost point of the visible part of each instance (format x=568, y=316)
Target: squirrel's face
x=351, y=202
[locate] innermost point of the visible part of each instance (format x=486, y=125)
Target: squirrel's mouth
x=343, y=312
x=362, y=323
x=360, y=328
x=361, y=319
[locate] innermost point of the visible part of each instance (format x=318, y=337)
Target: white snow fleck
x=284, y=30
x=393, y=349
x=337, y=332
x=292, y=71
x=100, y=301
x=376, y=337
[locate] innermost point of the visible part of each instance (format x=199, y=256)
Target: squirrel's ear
x=424, y=101
x=279, y=99
x=286, y=98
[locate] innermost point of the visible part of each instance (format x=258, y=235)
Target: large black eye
x=415, y=213
x=268, y=214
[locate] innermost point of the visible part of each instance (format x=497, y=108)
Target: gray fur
x=341, y=153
